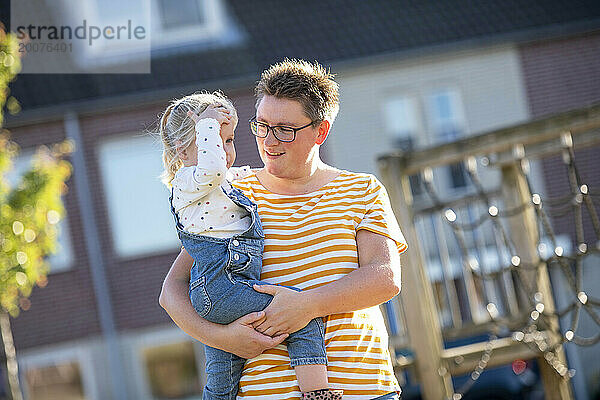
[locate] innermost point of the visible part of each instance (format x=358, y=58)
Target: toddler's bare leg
x=311, y=377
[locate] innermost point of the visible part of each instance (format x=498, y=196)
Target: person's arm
x=375, y=281
x=237, y=173
x=211, y=155
x=239, y=337
x=196, y=181
x=193, y=182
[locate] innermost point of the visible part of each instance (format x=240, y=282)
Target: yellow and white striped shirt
x=310, y=240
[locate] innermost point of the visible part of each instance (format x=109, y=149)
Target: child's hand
x=216, y=111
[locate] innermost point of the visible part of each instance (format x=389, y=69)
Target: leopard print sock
x=323, y=394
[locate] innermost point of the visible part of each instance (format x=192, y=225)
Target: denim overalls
x=221, y=291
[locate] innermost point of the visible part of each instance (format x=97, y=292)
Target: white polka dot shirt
x=198, y=197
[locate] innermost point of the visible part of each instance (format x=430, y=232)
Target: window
x=54, y=382
x=65, y=372
x=172, y=371
x=167, y=364
x=184, y=13
x=401, y=120
x=116, y=36
x=62, y=259
x=138, y=203
x=403, y=126
x=447, y=121
x=191, y=23
x=90, y=36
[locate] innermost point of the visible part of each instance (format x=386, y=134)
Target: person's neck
x=316, y=177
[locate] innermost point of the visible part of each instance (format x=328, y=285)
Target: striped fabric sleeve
x=379, y=217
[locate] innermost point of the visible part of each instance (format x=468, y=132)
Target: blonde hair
x=177, y=129
x=310, y=84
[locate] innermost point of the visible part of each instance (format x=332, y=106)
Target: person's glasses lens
x=257, y=129
x=262, y=130
x=284, y=134
x=281, y=133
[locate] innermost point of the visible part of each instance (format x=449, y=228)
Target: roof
x=330, y=31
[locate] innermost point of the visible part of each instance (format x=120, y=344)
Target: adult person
x=327, y=231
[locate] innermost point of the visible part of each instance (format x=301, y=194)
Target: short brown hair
x=310, y=84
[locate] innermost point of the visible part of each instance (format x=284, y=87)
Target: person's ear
x=323, y=132
x=183, y=154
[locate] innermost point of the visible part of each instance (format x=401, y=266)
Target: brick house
x=96, y=329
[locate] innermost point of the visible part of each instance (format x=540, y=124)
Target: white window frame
x=457, y=108
x=121, y=247
x=435, y=127
x=89, y=57
x=218, y=29
x=214, y=26
x=139, y=342
x=415, y=133
x=60, y=355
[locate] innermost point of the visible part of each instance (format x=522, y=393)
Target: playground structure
x=493, y=245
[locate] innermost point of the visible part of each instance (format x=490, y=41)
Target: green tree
x=29, y=213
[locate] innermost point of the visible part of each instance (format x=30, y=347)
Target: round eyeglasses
x=281, y=133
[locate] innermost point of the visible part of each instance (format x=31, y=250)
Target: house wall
x=68, y=295
x=560, y=75
x=62, y=322
x=498, y=86
x=489, y=81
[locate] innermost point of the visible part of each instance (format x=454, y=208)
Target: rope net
x=478, y=260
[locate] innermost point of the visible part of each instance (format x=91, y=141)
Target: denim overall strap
x=177, y=223
x=255, y=230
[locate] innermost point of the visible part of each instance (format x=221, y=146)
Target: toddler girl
x=220, y=228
